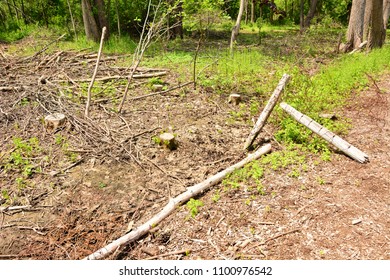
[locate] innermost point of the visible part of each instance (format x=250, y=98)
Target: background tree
x=355, y=26
x=366, y=23
x=377, y=32
x=94, y=23
x=386, y=12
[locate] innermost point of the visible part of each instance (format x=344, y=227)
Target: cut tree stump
x=168, y=140
x=234, y=98
x=157, y=88
x=267, y=111
x=54, y=121
x=329, y=136
x=173, y=204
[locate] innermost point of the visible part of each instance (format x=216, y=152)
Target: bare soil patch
x=110, y=173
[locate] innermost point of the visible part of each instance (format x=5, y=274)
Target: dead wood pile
x=57, y=82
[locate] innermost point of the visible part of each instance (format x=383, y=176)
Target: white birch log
x=172, y=205
x=266, y=111
x=329, y=136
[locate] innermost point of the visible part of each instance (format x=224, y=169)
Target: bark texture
x=355, y=26
x=377, y=33
x=90, y=25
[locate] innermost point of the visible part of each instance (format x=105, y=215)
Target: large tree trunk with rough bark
x=102, y=18
x=377, y=33
x=355, y=26
x=90, y=25
x=366, y=23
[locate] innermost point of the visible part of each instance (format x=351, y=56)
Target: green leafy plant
x=21, y=157
x=216, y=197
x=193, y=207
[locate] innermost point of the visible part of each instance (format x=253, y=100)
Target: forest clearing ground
x=335, y=210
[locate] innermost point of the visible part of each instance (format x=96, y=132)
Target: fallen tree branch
x=329, y=136
x=161, y=92
x=47, y=46
x=266, y=112
x=172, y=205
x=151, y=75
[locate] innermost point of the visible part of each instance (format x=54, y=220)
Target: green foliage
x=193, y=207
x=250, y=174
x=282, y=159
x=22, y=155
x=216, y=197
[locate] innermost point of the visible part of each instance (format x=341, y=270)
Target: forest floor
x=67, y=193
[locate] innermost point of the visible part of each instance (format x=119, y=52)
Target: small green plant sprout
x=294, y=173
x=102, y=185
x=216, y=197
x=193, y=207
x=321, y=181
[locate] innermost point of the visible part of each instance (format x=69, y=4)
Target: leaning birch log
x=172, y=205
x=266, y=111
x=94, y=73
x=329, y=136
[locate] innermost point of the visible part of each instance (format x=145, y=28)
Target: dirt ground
x=102, y=177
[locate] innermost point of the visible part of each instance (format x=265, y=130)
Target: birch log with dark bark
x=329, y=136
x=266, y=111
x=172, y=205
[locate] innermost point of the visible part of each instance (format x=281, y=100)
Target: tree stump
x=168, y=140
x=54, y=121
x=234, y=98
x=157, y=88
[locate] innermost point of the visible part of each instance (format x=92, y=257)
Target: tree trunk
x=10, y=11
x=253, y=11
x=355, y=26
x=90, y=25
x=386, y=13
x=72, y=19
x=310, y=15
x=117, y=17
x=102, y=18
x=236, y=28
x=301, y=16
x=377, y=33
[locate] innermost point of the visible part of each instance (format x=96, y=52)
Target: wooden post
x=267, y=111
x=172, y=205
x=329, y=136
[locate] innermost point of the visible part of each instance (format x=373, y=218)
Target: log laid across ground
x=329, y=136
x=172, y=204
